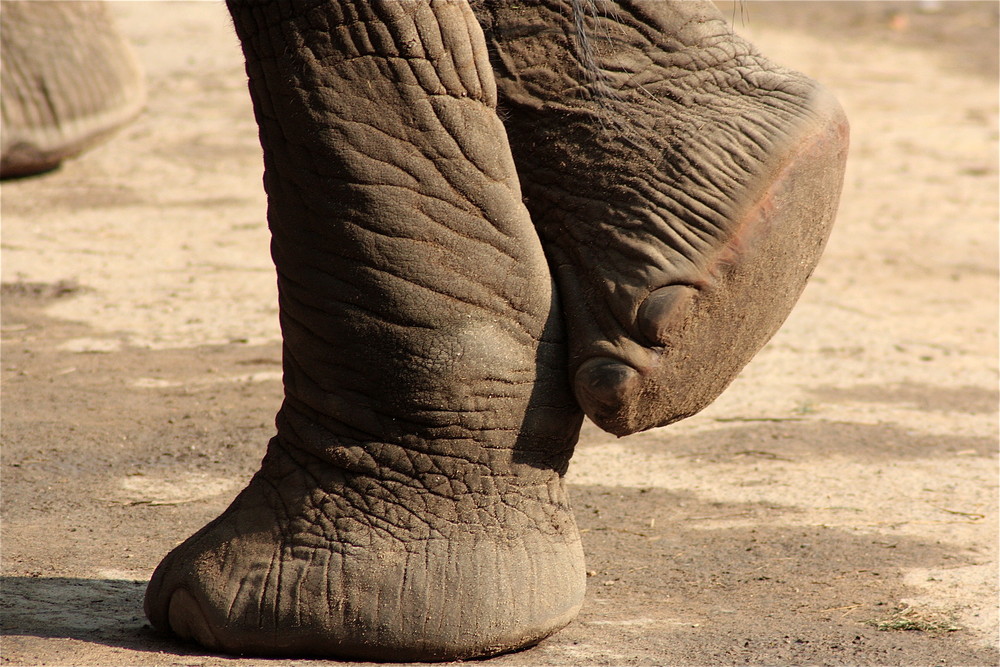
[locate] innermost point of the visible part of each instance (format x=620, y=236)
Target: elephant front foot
x=313, y=560
x=68, y=80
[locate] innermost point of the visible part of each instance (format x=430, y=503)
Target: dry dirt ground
x=838, y=505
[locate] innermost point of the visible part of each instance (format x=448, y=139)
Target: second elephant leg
x=682, y=184
x=412, y=505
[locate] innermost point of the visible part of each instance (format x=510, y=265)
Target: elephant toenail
x=663, y=311
x=604, y=385
x=187, y=619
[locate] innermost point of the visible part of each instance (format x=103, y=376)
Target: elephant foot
x=683, y=187
x=68, y=81
x=311, y=559
x=679, y=338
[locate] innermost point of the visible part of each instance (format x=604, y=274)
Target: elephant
x=489, y=218
x=68, y=80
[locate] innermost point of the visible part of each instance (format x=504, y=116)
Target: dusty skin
x=838, y=504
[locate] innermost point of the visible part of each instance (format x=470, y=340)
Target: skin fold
x=456, y=290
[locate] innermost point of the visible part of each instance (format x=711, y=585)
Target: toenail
x=187, y=619
x=604, y=385
x=663, y=311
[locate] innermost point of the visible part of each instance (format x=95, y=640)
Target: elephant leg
x=68, y=79
x=682, y=184
x=411, y=506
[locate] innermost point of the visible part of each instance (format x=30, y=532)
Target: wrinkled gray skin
x=456, y=291
x=68, y=80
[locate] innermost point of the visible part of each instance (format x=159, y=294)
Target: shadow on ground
x=102, y=611
x=664, y=590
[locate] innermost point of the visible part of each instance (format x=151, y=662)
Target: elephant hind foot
x=686, y=338
x=682, y=184
x=311, y=560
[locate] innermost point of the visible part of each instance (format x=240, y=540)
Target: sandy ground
x=838, y=505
